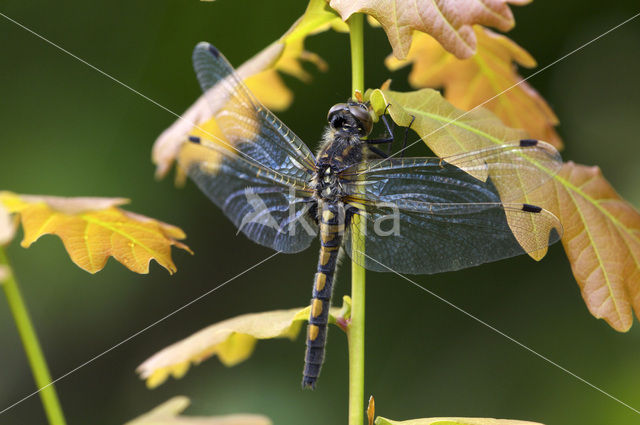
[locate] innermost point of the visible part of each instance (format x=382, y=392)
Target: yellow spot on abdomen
x=324, y=257
x=326, y=237
x=316, y=307
x=313, y=332
x=327, y=215
x=321, y=279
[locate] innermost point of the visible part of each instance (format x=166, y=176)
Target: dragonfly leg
x=378, y=152
x=406, y=135
x=389, y=138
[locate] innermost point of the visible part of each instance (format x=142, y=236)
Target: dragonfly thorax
x=340, y=150
x=327, y=185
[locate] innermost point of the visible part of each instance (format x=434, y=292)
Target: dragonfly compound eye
x=335, y=109
x=361, y=113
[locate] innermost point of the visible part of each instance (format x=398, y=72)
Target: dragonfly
x=415, y=215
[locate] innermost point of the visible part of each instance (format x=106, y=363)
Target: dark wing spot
x=531, y=208
x=525, y=143
x=215, y=52
x=194, y=139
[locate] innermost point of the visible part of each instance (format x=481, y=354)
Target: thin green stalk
x=356, y=326
x=356, y=35
x=31, y=345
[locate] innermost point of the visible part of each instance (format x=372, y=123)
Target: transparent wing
x=257, y=173
x=515, y=169
x=269, y=208
x=449, y=238
x=425, y=215
x=250, y=130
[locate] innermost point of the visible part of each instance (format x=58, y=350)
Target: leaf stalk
x=355, y=330
x=32, y=348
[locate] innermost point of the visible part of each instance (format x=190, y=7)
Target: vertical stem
x=31, y=345
x=356, y=35
x=356, y=326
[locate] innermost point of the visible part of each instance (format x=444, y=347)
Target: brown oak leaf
x=488, y=78
x=448, y=21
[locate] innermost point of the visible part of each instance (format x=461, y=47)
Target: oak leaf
x=261, y=75
x=168, y=413
x=232, y=340
x=93, y=229
x=488, y=78
x=602, y=231
x=449, y=131
x=448, y=21
x=602, y=242
x=454, y=421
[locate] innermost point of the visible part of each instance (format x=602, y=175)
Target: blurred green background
x=67, y=130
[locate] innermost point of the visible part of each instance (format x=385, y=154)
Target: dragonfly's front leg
x=406, y=135
x=390, y=138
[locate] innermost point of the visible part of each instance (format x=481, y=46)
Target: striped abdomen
x=332, y=221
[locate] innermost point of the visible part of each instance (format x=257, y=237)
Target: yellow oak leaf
x=232, y=340
x=448, y=21
x=454, y=421
x=601, y=230
x=168, y=413
x=199, y=117
x=447, y=130
x=93, y=229
x=264, y=85
x=488, y=76
x=261, y=74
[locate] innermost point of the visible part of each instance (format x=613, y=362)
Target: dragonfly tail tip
x=308, y=383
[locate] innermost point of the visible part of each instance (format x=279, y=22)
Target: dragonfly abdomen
x=332, y=222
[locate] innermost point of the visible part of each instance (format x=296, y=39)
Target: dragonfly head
x=352, y=116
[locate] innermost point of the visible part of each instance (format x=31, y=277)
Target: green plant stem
x=355, y=331
x=356, y=35
x=31, y=345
